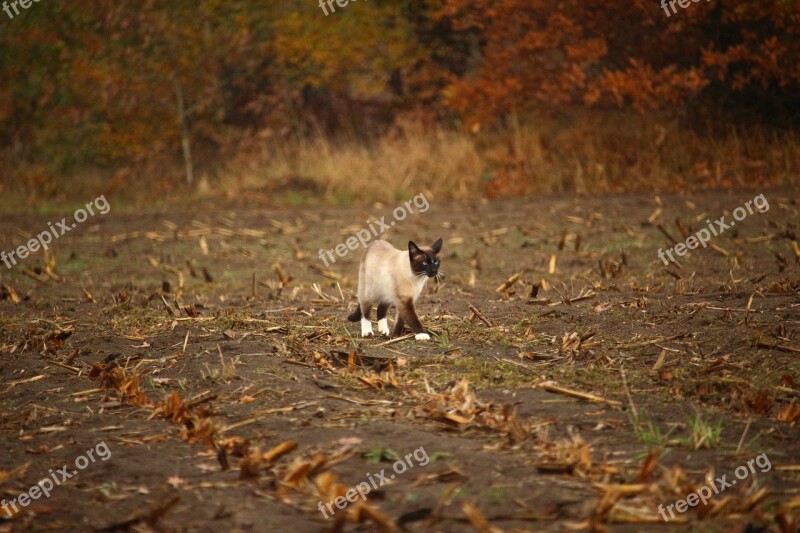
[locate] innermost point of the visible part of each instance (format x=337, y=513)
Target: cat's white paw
x=422, y=337
x=366, y=328
x=383, y=326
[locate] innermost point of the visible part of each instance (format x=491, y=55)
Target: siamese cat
x=391, y=277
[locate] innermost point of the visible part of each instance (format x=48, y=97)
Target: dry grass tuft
x=439, y=162
x=586, y=152
x=582, y=151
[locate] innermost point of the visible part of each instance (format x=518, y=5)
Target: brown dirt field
x=171, y=338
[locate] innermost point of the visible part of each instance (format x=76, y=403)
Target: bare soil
x=208, y=349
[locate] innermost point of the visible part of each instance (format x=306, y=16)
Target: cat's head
x=424, y=260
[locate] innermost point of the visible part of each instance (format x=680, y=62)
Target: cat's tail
x=355, y=316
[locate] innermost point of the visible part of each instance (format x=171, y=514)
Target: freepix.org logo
x=381, y=478
x=703, y=494
x=363, y=236
x=45, y=486
x=24, y=4
x=44, y=239
x=719, y=226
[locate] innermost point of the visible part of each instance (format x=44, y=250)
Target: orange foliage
x=538, y=54
x=100, y=86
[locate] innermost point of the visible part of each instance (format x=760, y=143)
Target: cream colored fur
x=385, y=277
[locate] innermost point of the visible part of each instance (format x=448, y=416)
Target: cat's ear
x=413, y=249
x=437, y=246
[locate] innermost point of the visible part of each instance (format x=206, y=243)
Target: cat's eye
x=424, y=263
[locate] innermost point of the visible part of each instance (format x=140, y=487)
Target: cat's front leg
x=399, y=324
x=407, y=312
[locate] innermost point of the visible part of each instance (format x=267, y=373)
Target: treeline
x=122, y=85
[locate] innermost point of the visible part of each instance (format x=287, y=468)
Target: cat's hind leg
x=383, y=322
x=366, y=325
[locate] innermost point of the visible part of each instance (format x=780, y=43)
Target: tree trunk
x=187, y=149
